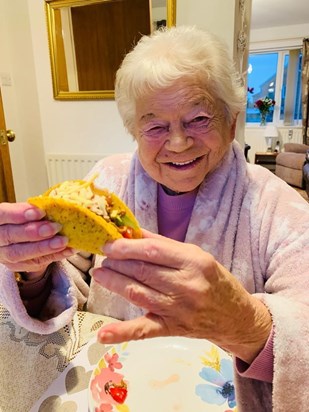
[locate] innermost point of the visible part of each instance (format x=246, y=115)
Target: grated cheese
x=82, y=195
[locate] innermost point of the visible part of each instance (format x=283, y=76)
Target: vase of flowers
x=264, y=105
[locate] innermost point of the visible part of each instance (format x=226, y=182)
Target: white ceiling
x=271, y=13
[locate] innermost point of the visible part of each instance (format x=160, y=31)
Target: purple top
x=174, y=214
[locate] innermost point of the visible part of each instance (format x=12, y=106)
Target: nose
x=178, y=141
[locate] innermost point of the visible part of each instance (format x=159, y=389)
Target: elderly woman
x=225, y=250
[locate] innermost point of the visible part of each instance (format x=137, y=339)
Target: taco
x=89, y=216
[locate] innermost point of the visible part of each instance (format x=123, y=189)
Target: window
x=276, y=74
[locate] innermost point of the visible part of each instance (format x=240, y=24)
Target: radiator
x=62, y=167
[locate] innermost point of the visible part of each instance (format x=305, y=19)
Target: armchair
x=306, y=173
x=290, y=164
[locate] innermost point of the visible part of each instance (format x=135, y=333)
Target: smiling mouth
x=186, y=164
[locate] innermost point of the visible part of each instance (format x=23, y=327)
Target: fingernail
x=34, y=214
x=68, y=252
x=49, y=229
x=106, y=337
x=106, y=248
x=94, y=274
x=58, y=242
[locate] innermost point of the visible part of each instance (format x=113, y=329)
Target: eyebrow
x=147, y=116
x=200, y=104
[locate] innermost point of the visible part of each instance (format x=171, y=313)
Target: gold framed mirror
x=89, y=38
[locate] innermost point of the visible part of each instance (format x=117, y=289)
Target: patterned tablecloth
x=51, y=373
x=68, y=393
x=30, y=363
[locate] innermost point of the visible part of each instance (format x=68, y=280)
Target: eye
x=155, y=130
x=197, y=122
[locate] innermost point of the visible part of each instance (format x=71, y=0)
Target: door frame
x=7, y=191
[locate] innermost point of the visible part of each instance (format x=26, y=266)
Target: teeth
x=183, y=163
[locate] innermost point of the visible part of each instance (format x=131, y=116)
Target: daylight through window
x=277, y=75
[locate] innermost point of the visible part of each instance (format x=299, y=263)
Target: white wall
x=287, y=36
x=216, y=16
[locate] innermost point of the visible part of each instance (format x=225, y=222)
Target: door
x=7, y=193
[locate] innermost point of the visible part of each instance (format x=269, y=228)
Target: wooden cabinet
x=266, y=159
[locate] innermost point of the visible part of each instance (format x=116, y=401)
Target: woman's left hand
x=185, y=292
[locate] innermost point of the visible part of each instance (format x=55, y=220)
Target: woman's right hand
x=29, y=243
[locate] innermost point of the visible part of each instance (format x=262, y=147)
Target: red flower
x=264, y=104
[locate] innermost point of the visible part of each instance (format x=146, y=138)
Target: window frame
x=282, y=52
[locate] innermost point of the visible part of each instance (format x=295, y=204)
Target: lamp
x=270, y=132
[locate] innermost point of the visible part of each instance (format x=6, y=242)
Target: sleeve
x=282, y=237
x=262, y=366
x=68, y=292
x=34, y=294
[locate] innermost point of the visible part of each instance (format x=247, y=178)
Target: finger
x=156, y=277
x=28, y=232
x=17, y=213
x=149, y=326
x=40, y=263
x=137, y=293
x=147, y=234
x=32, y=250
x=161, y=250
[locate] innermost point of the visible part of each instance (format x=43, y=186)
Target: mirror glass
x=89, y=38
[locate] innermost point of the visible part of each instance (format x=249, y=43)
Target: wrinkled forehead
x=180, y=98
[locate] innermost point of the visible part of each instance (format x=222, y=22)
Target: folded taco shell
x=75, y=205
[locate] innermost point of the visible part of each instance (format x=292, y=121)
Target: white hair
x=167, y=55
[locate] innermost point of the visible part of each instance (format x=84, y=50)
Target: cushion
x=306, y=177
x=295, y=147
x=291, y=160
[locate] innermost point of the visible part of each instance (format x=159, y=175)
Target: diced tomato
x=127, y=233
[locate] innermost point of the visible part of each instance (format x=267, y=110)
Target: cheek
x=148, y=153
x=213, y=140
x=219, y=137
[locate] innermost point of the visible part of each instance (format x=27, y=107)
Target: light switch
x=6, y=79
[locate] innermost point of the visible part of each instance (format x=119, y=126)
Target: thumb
x=148, y=326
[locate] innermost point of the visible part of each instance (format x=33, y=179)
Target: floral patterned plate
x=163, y=374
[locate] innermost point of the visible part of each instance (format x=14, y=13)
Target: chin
x=181, y=189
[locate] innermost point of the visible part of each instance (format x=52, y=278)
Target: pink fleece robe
x=254, y=224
